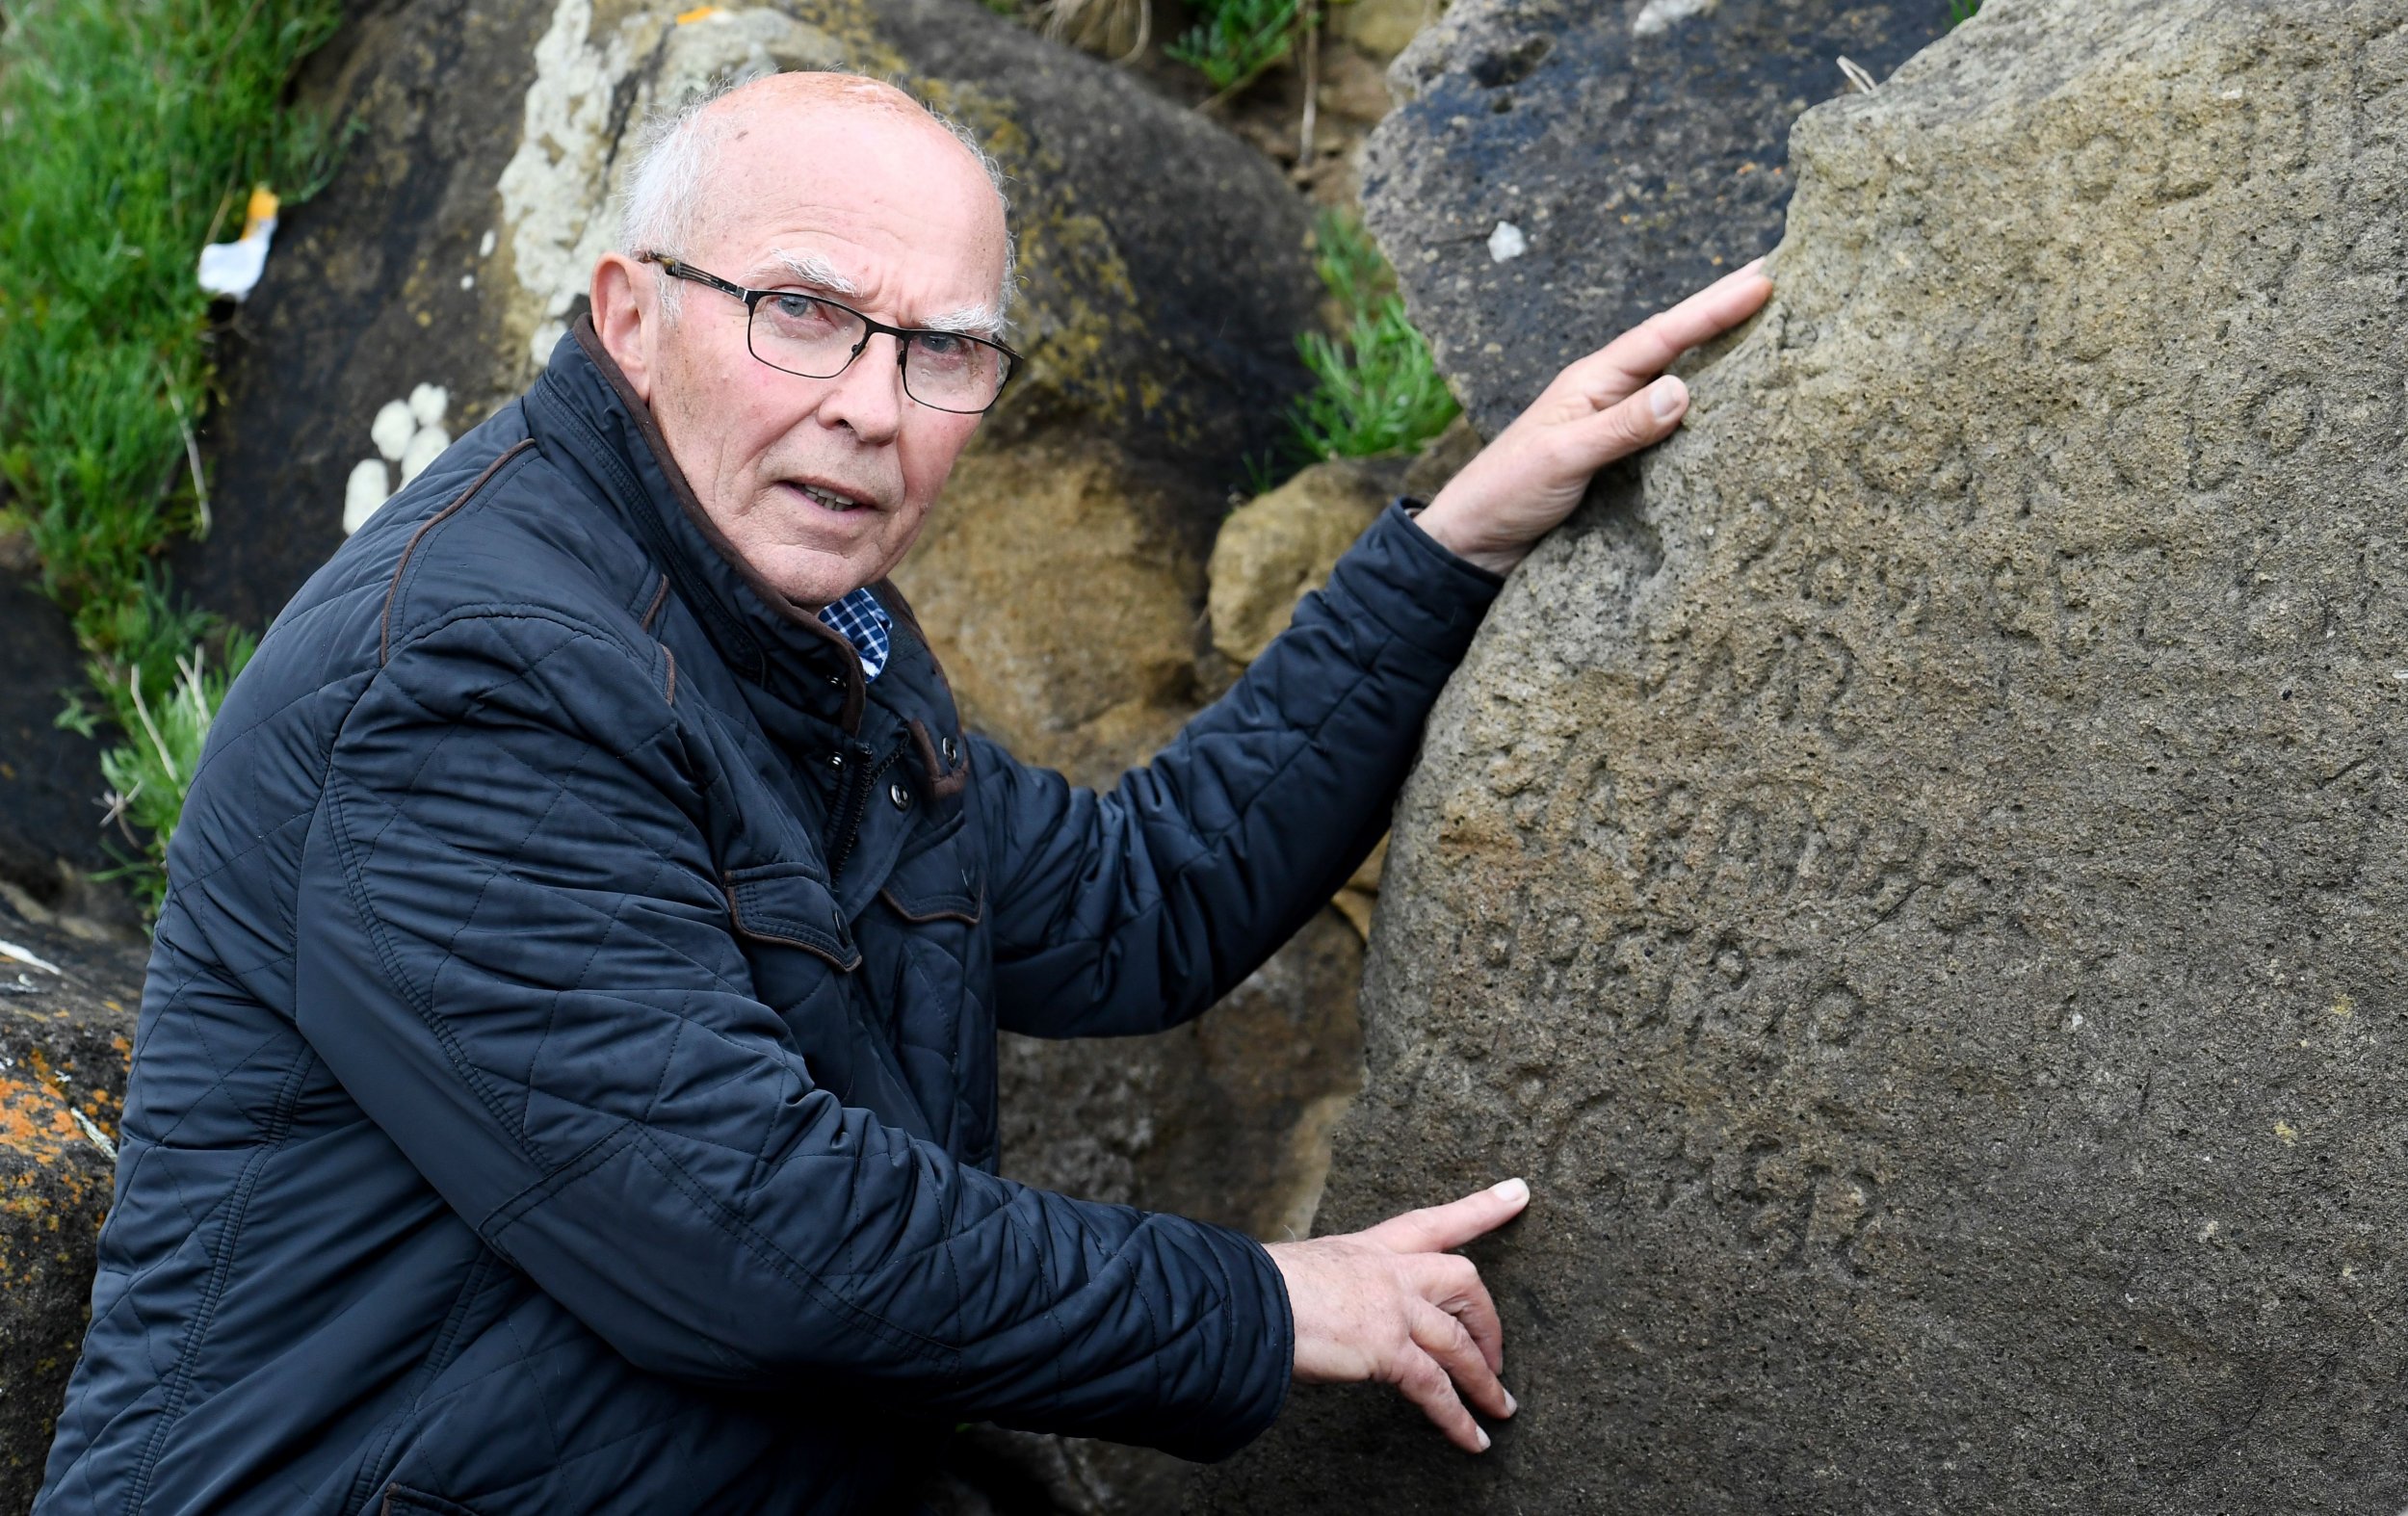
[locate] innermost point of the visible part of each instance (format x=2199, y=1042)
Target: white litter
x=390, y=431
x=428, y=403
x=10, y=949
x=1507, y=243
x=233, y=268
x=424, y=449
x=99, y=1138
x=364, y=493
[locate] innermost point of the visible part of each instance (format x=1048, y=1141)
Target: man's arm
x=514, y=954
x=1134, y=909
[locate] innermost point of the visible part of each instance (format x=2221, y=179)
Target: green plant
x=1379, y=389
x=149, y=774
x=1961, y=11
x=1234, y=40
x=132, y=130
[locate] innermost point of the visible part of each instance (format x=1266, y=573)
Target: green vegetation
x=132, y=130
x=1380, y=390
x=1233, y=41
x=1961, y=11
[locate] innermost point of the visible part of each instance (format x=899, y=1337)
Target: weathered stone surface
x=1063, y=587
x=1913, y=872
x=1274, y=551
x=64, y=1036
x=1635, y=145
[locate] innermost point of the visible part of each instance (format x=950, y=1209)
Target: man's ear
x=627, y=317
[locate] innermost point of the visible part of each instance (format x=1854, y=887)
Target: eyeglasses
x=811, y=336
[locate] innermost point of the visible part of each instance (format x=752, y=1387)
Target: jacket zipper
x=863, y=783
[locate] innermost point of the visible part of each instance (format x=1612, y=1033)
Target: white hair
x=660, y=201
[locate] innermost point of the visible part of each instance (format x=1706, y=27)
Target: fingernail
x=1483, y=1440
x=1511, y=1404
x=1665, y=397
x=1512, y=1190
x=1753, y=267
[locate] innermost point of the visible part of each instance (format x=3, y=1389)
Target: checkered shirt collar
x=863, y=622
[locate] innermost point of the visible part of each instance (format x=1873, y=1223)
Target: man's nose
x=867, y=397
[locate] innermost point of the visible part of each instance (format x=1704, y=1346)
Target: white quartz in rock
x=1507, y=243
x=390, y=430
x=364, y=493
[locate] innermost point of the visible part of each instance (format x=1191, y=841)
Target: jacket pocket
x=937, y=884
x=789, y=903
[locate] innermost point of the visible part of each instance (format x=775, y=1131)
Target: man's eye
x=942, y=345
x=796, y=307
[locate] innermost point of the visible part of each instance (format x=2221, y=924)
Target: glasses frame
x=679, y=269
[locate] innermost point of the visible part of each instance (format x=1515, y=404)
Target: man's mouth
x=831, y=499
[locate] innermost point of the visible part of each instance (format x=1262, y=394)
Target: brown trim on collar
x=649, y=431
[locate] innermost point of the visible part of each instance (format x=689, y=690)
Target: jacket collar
x=584, y=404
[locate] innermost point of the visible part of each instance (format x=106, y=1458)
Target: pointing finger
x=1622, y=365
x=1439, y=1228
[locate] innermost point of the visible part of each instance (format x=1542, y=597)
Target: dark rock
x=1638, y=147
x=1912, y=873
x=64, y=1037
x=50, y=783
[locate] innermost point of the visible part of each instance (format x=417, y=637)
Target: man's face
x=822, y=485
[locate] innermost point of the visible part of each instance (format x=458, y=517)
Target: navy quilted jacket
x=566, y=1074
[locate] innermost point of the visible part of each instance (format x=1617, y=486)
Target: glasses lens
x=803, y=335
x=951, y=372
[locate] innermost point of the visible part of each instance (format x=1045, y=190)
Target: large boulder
x=66, y=1026
x=1634, y=148
x=1912, y=873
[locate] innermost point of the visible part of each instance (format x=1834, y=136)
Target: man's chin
x=813, y=578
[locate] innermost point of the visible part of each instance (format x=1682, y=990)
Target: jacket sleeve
x=1134, y=910
x=514, y=955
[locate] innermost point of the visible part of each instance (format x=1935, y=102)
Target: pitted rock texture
x=1636, y=146
x=1913, y=873
x=64, y=1037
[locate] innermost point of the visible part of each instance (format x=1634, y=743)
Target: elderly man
x=567, y=1071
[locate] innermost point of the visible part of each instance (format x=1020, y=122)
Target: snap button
x=900, y=796
x=836, y=759
x=953, y=754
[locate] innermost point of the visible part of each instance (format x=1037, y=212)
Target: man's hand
x=1597, y=410
x=1393, y=1304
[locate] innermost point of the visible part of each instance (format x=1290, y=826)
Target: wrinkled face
x=820, y=485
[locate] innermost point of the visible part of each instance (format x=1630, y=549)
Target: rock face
x=1634, y=146
x=1913, y=872
x=67, y=1025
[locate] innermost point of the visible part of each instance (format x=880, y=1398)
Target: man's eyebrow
x=982, y=319
x=815, y=271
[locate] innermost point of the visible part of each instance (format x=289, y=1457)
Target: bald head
x=694, y=169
